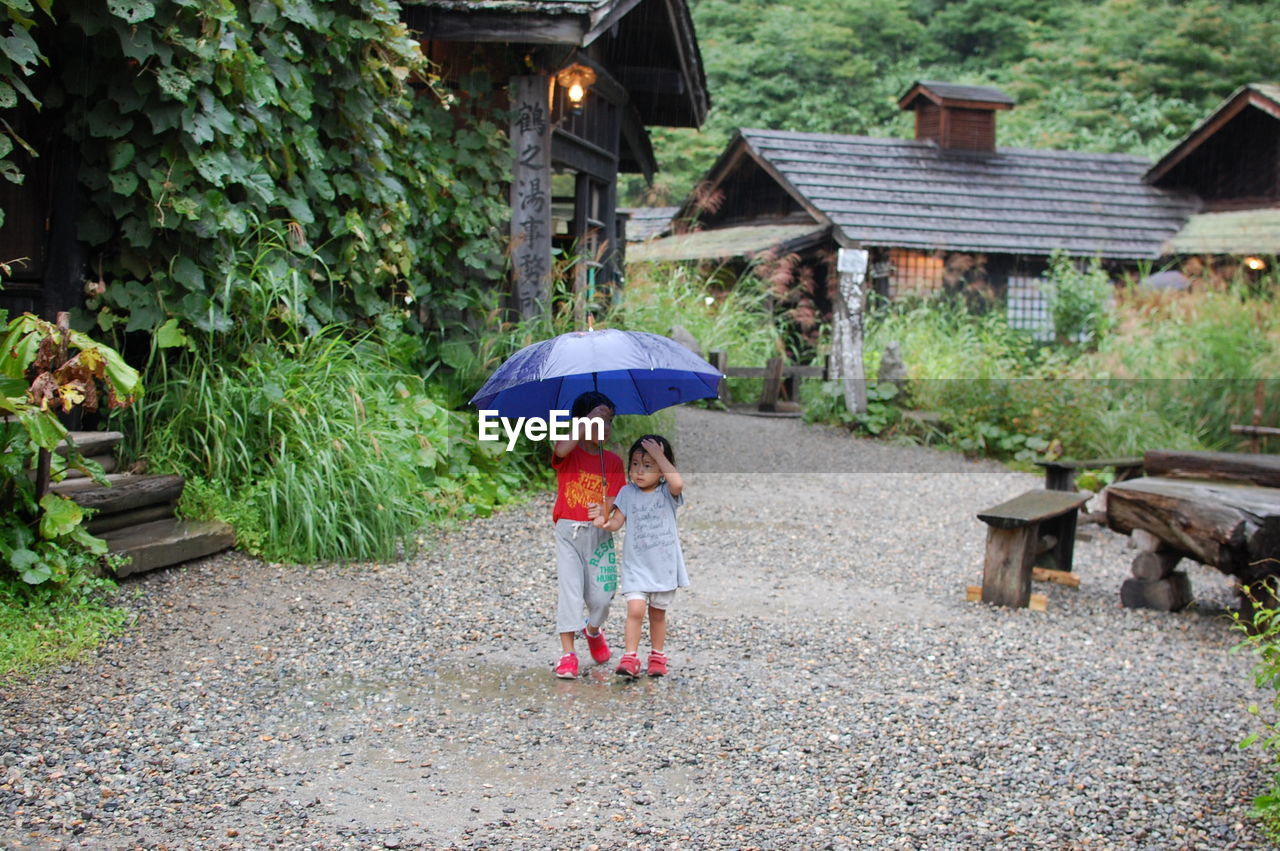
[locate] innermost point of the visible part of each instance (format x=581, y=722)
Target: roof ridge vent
x=954, y=115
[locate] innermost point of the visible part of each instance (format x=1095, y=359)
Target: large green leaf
x=133, y=11
x=42, y=427
x=125, y=379
x=170, y=335
x=59, y=516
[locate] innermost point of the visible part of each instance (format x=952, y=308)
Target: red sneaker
x=657, y=664
x=568, y=667
x=598, y=646
x=629, y=666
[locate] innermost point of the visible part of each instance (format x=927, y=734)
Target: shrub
x=1262, y=638
x=51, y=603
x=1078, y=299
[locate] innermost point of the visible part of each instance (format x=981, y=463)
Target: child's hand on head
x=653, y=448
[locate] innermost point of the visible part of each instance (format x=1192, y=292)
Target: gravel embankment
x=830, y=688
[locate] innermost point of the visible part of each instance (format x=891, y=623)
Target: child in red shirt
x=586, y=562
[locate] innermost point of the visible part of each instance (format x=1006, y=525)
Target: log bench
x=1036, y=529
x=1059, y=475
x=1217, y=508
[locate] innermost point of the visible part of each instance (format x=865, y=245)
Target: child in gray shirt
x=652, y=564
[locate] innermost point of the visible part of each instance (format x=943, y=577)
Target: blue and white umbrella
x=639, y=371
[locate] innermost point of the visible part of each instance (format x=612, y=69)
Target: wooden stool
x=1037, y=528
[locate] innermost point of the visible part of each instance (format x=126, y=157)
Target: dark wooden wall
x=1239, y=166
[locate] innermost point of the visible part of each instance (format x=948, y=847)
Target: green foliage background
x=1113, y=76
x=196, y=119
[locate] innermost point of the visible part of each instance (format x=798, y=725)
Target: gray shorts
x=587, y=573
x=656, y=599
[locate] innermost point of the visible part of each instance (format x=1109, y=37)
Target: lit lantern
x=1257, y=264
x=576, y=80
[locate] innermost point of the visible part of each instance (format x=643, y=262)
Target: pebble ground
x=830, y=688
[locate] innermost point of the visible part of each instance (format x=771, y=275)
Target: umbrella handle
x=604, y=486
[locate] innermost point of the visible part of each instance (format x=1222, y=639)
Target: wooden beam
x=582, y=156
x=605, y=17
x=496, y=26
x=1261, y=470
x=125, y=494
x=772, y=383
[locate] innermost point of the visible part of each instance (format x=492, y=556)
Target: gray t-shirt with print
x=651, y=557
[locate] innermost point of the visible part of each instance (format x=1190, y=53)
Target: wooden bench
x=780, y=379
x=1036, y=529
x=1059, y=475
x=1217, y=508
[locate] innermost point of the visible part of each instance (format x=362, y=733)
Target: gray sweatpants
x=587, y=569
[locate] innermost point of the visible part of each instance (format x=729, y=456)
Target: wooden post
x=531, y=195
x=1259, y=398
x=1006, y=568
x=1063, y=529
x=851, y=266
x=772, y=383
x=720, y=360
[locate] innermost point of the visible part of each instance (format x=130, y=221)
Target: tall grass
x=733, y=318
x=323, y=451
x=311, y=440
x=1175, y=371
x=1196, y=357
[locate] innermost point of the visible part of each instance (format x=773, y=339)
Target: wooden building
x=1231, y=162
x=632, y=63
x=949, y=210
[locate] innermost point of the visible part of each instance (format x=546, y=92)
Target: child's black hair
x=588, y=402
x=666, y=447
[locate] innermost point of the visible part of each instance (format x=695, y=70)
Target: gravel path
x=830, y=688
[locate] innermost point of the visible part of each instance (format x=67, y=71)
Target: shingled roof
x=645, y=223
x=896, y=192
x=651, y=47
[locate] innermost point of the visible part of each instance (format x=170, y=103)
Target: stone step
x=162, y=543
x=90, y=443
x=136, y=517
x=127, y=491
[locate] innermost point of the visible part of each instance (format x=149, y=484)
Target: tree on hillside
x=1119, y=75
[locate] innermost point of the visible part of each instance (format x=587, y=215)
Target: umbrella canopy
x=639, y=371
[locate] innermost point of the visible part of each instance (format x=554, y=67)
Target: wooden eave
x=1242, y=98
x=497, y=25
x=566, y=23
x=518, y=21
x=737, y=152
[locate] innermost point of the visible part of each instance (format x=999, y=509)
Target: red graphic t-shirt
x=578, y=482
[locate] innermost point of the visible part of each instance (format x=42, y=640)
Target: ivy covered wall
x=196, y=121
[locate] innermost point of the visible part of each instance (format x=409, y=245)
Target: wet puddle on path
x=465, y=744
